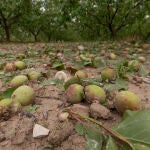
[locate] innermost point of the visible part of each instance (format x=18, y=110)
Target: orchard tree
x=109, y=16
x=53, y=21
x=32, y=20
x=143, y=22
x=10, y=12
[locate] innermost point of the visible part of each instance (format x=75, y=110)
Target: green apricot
x=74, y=93
x=24, y=95
x=126, y=100
x=19, y=80
x=94, y=93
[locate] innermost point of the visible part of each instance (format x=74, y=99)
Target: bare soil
x=16, y=132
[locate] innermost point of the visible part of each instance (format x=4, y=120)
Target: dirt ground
x=16, y=132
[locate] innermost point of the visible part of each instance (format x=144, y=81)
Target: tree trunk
x=35, y=37
x=147, y=36
x=5, y=26
x=49, y=38
x=35, y=34
x=112, y=35
x=112, y=32
x=7, y=32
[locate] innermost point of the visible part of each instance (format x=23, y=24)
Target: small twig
x=113, y=133
x=80, y=121
x=47, y=97
x=144, y=79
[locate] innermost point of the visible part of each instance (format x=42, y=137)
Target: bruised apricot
x=74, y=93
x=24, y=95
x=34, y=75
x=108, y=74
x=10, y=67
x=94, y=93
x=81, y=74
x=134, y=64
x=98, y=62
x=20, y=65
x=112, y=56
x=5, y=102
x=126, y=100
x=18, y=80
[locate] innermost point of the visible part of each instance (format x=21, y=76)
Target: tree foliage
x=73, y=19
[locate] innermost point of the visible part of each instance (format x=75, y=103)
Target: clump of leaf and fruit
x=81, y=89
x=95, y=93
x=16, y=90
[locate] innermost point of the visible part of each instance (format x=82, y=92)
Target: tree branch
x=109, y=130
x=123, y=23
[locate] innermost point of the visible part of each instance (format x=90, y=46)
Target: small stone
x=61, y=76
x=80, y=47
x=99, y=111
x=40, y=131
x=63, y=116
x=80, y=109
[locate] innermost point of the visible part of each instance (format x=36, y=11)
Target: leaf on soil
x=52, y=82
x=80, y=129
x=55, y=82
x=48, y=146
x=94, y=139
x=111, y=144
x=87, y=63
x=7, y=93
x=139, y=146
x=32, y=109
x=119, y=84
x=122, y=68
x=49, y=50
x=142, y=71
x=58, y=66
x=136, y=127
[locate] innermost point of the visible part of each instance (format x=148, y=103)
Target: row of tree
x=46, y=20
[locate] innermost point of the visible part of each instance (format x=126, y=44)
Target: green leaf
x=94, y=139
x=55, y=82
x=7, y=93
x=87, y=63
x=119, y=84
x=96, y=81
x=32, y=109
x=136, y=127
x=48, y=51
x=58, y=66
x=80, y=129
x=142, y=71
x=52, y=82
x=48, y=146
x=111, y=144
x=139, y=146
x=122, y=68
x=128, y=113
